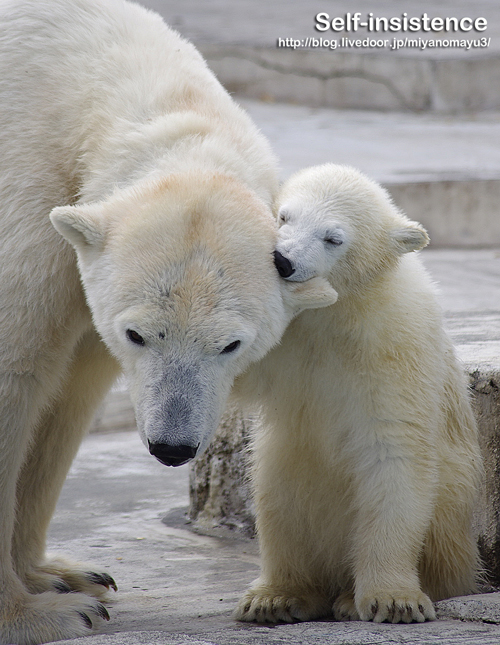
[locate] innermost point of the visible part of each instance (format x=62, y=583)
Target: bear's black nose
x=172, y=455
x=283, y=264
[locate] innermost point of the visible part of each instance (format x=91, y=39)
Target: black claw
x=102, y=611
x=110, y=582
x=101, y=579
x=85, y=619
x=62, y=587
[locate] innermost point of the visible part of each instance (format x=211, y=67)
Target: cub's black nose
x=172, y=455
x=283, y=264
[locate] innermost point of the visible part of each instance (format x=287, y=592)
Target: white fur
x=367, y=462
x=114, y=132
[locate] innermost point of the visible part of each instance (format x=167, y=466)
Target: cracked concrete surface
x=240, y=44
x=263, y=73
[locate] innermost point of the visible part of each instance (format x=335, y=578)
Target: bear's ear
x=81, y=225
x=411, y=237
x=311, y=294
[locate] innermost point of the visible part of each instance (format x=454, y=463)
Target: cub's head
x=180, y=280
x=337, y=223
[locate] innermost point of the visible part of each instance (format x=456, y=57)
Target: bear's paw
x=63, y=576
x=32, y=619
x=344, y=607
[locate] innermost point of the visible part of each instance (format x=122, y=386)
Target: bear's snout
x=172, y=455
x=283, y=264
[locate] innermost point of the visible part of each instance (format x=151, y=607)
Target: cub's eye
x=283, y=217
x=231, y=347
x=335, y=240
x=135, y=337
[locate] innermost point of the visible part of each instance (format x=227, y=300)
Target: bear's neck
x=177, y=142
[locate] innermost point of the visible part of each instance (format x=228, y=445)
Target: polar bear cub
x=367, y=463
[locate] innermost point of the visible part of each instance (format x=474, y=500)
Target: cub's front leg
x=289, y=588
x=395, y=484
x=266, y=603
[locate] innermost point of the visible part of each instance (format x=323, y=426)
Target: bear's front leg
x=394, y=504
x=55, y=442
x=27, y=619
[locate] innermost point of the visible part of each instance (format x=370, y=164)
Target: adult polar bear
x=102, y=106
x=368, y=466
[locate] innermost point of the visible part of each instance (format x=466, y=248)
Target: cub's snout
x=283, y=265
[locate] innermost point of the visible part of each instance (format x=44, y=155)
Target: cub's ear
x=311, y=294
x=412, y=237
x=81, y=225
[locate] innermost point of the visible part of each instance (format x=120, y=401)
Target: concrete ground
x=391, y=147
x=469, y=286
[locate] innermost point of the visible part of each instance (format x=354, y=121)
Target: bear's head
x=180, y=280
x=336, y=222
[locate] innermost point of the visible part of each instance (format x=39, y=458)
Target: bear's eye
x=283, y=216
x=135, y=337
x=231, y=347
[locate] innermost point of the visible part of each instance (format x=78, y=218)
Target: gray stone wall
x=486, y=398
x=219, y=487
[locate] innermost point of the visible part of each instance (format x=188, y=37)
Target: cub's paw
x=266, y=605
x=46, y=617
x=395, y=607
x=344, y=607
x=63, y=576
